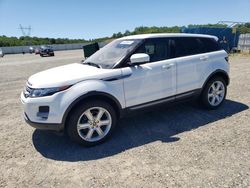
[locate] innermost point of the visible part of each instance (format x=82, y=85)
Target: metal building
x=228, y=37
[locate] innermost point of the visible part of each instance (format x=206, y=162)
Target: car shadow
x=163, y=125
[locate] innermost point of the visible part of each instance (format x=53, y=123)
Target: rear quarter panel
x=216, y=62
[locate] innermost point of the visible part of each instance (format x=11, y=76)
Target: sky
x=91, y=19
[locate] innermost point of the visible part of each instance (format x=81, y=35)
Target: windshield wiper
x=92, y=64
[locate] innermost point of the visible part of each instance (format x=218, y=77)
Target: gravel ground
x=181, y=146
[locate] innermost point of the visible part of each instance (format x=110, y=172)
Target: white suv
x=87, y=99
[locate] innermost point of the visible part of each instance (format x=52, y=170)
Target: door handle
x=168, y=66
x=204, y=58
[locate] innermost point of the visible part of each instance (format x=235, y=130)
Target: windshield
x=112, y=53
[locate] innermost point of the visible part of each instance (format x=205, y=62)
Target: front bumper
x=44, y=126
x=52, y=120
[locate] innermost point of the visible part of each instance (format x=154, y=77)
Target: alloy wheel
x=94, y=124
x=216, y=93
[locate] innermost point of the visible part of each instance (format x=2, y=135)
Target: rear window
x=210, y=44
x=185, y=46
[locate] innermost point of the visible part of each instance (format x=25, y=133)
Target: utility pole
x=26, y=31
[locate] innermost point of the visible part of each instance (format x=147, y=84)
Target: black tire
x=78, y=112
x=204, y=95
x=41, y=55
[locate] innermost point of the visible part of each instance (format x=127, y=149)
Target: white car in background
x=131, y=73
x=1, y=53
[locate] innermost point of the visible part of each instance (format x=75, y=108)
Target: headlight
x=30, y=92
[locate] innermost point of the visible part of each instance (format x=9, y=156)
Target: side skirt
x=165, y=101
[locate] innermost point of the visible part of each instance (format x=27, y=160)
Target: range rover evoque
x=131, y=73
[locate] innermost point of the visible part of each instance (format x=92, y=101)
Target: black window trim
x=171, y=46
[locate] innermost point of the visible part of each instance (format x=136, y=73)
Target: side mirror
x=139, y=58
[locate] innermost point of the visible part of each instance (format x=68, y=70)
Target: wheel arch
x=93, y=95
x=220, y=73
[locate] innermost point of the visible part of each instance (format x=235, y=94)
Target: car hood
x=69, y=75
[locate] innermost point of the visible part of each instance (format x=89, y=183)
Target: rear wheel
x=214, y=93
x=92, y=123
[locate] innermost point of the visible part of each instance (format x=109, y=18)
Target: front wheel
x=91, y=123
x=214, y=93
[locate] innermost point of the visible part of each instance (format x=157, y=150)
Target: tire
x=214, y=93
x=80, y=124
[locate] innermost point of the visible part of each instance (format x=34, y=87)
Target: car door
x=189, y=60
x=153, y=80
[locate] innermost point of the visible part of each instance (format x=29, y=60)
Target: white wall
x=56, y=47
x=244, y=42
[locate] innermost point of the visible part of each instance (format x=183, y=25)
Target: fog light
x=43, y=112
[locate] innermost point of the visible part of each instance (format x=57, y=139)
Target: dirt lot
x=183, y=146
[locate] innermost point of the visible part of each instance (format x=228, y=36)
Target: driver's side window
x=157, y=49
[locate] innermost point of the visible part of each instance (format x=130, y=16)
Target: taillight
x=227, y=59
